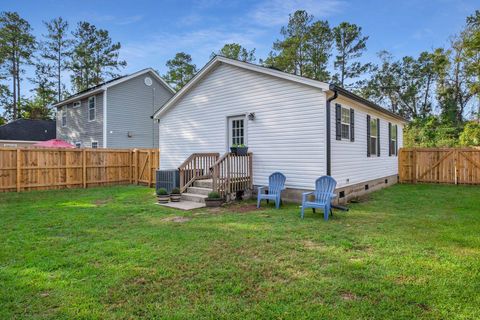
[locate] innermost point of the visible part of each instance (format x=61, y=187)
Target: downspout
x=329, y=131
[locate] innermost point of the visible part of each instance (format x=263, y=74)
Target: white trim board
x=114, y=83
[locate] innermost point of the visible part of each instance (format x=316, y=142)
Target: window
x=78, y=144
x=63, y=113
x=91, y=108
x=393, y=139
x=237, y=131
x=94, y=144
x=76, y=104
x=345, y=121
x=373, y=137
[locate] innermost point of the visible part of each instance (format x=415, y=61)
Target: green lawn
x=408, y=252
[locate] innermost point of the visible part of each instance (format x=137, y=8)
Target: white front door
x=237, y=133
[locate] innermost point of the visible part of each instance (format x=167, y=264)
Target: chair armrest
x=333, y=195
x=305, y=194
x=260, y=189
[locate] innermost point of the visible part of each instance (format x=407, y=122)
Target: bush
x=213, y=195
x=162, y=192
x=470, y=137
x=175, y=191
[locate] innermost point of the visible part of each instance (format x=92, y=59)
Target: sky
x=151, y=32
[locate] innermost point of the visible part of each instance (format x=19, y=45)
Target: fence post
x=455, y=165
x=84, y=168
x=414, y=166
x=150, y=160
x=18, y=170
x=137, y=154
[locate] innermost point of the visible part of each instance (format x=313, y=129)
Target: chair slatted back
x=324, y=187
x=276, y=182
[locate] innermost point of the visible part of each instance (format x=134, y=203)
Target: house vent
x=148, y=81
x=167, y=179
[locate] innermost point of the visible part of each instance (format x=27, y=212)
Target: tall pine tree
x=17, y=45
x=180, y=70
x=56, y=50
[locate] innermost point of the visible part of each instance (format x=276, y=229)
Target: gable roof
x=217, y=60
x=28, y=130
x=110, y=83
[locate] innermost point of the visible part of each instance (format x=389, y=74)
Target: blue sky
x=151, y=32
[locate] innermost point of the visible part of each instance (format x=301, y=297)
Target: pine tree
x=56, y=50
x=39, y=106
x=94, y=56
x=350, y=45
x=319, y=50
x=180, y=70
x=17, y=45
x=237, y=52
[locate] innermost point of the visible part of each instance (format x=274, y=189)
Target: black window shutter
x=352, y=125
x=396, y=139
x=378, y=137
x=389, y=139
x=368, y=136
x=338, y=121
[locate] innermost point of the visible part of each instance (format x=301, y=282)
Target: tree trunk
x=14, y=79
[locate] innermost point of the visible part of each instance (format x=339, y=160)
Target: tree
x=470, y=135
x=180, y=70
x=17, y=45
x=94, y=57
x=404, y=85
x=237, y=52
x=472, y=54
x=319, y=48
x=45, y=92
x=56, y=50
x=291, y=53
x=350, y=45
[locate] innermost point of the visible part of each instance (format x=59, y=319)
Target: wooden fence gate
x=439, y=165
x=23, y=169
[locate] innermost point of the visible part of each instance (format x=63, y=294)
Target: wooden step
x=199, y=190
x=204, y=183
x=200, y=198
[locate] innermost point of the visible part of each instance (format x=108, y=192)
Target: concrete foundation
x=344, y=194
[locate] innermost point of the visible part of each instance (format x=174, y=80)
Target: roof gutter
x=329, y=131
x=364, y=101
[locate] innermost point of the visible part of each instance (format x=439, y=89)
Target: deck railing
x=232, y=173
x=197, y=166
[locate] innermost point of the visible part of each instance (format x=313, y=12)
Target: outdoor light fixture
x=251, y=116
x=129, y=134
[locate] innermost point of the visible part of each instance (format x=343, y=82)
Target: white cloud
x=272, y=13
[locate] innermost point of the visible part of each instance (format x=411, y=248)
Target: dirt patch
x=348, y=296
x=44, y=294
x=176, y=219
x=102, y=202
x=242, y=208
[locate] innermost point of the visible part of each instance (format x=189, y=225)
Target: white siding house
x=282, y=119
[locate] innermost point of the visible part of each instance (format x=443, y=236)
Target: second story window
x=91, y=108
x=63, y=114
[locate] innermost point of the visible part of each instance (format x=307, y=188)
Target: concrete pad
x=183, y=205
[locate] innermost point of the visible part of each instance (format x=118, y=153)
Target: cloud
x=272, y=13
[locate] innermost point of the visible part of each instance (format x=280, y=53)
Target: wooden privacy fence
x=42, y=169
x=439, y=165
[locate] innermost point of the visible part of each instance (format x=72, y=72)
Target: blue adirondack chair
x=276, y=183
x=324, y=188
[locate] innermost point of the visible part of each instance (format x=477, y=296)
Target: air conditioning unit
x=167, y=179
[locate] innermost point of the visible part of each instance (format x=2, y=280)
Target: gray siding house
x=114, y=114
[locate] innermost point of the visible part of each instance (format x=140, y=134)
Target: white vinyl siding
x=287, y=134
x=350, y=164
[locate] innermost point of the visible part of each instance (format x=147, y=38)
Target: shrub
x=175, y=191
x=213, y=195
x=241, y=145
x=470, y=136
x=162, y=192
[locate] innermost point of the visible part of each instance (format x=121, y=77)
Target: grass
x=110, y=253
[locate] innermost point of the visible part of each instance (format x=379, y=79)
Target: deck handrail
x=196, y=166
x=232, y=173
